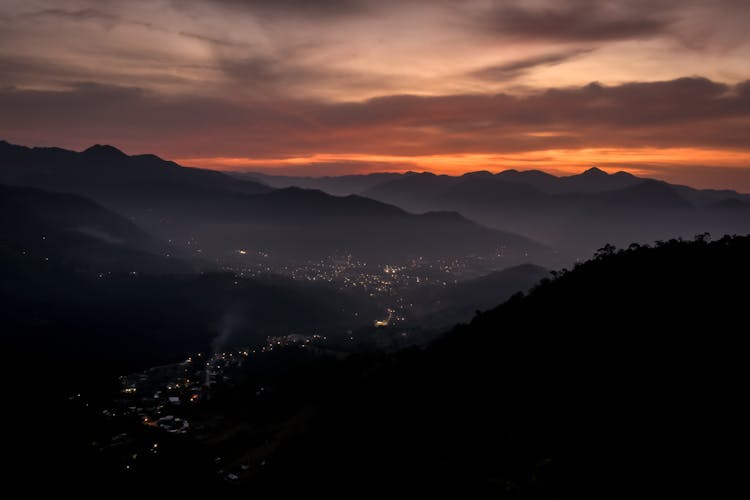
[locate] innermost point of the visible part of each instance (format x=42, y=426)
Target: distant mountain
x=575, y=214
x=66, y=229
x=306, y=224
x=594, y=180
x=518, y=189
x=212, y=215
x=339, y=186
x=105, y=171
x=731, y=204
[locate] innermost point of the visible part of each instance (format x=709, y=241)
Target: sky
x=659, y=88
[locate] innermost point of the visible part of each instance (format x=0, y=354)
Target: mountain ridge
x=575, y=213
x=215, y=214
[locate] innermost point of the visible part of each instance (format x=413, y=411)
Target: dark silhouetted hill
x=446, y=305
x=37, y=225
x=105, y=171
x=621, y=376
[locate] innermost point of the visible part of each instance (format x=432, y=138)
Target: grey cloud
x=286, y=74
x=688, y=112
x=270, y=76
x=300, y=8
x=577, y=20
x=106, y=19
x=508, y=71
x=88, y=14
x=213, y=40
x=20, y=70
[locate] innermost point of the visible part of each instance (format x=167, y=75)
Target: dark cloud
x=300, y=8
x=263, y=70
x=286, y=74
x=221, y=42
x=19, y=70
x=88, y=14
x=577, y=20
x=514, y=69
x=688, y=112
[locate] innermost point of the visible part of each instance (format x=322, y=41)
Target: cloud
x=221, y=42
x=513, y=69
x=87, y=14
x=356, y=49
x=104, y=18
x=296, y=8
x=687, y=112
x=266, y=70
x=577, y=20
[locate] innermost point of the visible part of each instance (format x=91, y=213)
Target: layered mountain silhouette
x=103, y=170
x=73, y=231
x=340, y=185
x=210, y=214
x=576, y=213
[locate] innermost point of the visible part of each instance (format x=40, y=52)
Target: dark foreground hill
x=444, y=306
x=621, y=378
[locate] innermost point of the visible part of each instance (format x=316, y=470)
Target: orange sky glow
x=660, y=88
x=666, y=164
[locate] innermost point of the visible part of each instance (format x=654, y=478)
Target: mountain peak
x=104, y=151
x=478, y=174
x=595, y=171
x=623, y=174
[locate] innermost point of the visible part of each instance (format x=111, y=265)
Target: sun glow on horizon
x=556, y=161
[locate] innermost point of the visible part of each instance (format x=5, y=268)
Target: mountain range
x=209, y=215
x=575, y=214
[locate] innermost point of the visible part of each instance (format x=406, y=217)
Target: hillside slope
x=37, y=225
x=618, y=377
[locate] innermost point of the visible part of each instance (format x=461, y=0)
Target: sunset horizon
x=652, y=88
x=728, y=174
